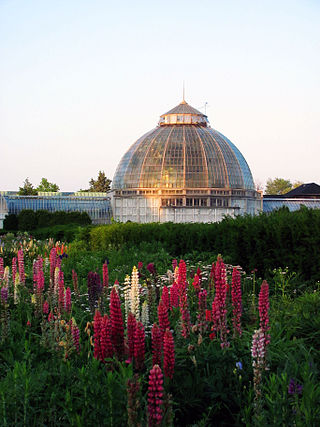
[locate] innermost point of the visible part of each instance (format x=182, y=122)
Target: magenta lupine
x=1, y=268
x=155, y=396
x=182, y=276
x=131, y=330
x=45, y=308
x=139, y=346
x=168, y=354
x=21, y=266
x=96, y=335
x=106, y=348
x=156, y=338
x=165, y=297
x=163, y=317
x=174, y=296
x=264, y=306
x=68, y=303
x=174, y=264
x=196, y=283
x=236, y=298
x=105, y=275
x=117, y=332
x=219, y=311
x=14, y=269
x=202, y=304
x=185, y=315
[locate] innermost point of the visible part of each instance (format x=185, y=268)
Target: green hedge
x=264, y=242
x=28, y=220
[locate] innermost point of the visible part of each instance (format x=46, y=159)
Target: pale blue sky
x=80, y=81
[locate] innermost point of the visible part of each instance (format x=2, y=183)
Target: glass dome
x=183, y=152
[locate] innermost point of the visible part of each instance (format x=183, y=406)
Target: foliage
x=99, y=185
x=47, y=186
x=27, y=189
x=286, y=239
x=280, y=186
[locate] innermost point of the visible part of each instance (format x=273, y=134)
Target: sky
x=81, y=81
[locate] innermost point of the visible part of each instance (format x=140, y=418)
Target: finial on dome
x=183, y=100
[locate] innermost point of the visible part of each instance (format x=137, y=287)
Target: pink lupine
x=139, y=346
x=156, y=339
x=45, y=307
x=236, y=302
x=105, y=275
x=14, y=269
x=131, y=330
x=199, y=274
x=168, y=354
x=106, y=348
x=163, y=317
x=75, y=282
x=165, y=297
x=219, y=311
x=155, y=395
x=264, y=306
x=258, y=360
x=117, y=332
x=174, y=296
x=202, y=304
x=21, y=266
x=174, y=264
x=68, y=303
x=96, y=335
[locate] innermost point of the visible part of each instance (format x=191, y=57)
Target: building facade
x=183, y=171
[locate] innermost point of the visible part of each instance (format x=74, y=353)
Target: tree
x=100, y=185
x=280, y=186
x=47, y=186
x=27, y=189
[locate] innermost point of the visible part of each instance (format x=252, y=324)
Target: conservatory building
x=183, y=171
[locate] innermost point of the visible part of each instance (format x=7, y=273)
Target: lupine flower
x=61, y=300
x=4, y=296
x=126, y=293
x=174, y=296
x=14, y=269
x=199, y=274
x=105, y=275
x=135, y=294
x=236, y=302
x=151, y=268
x=139, y=346
x=163, y=317
x=239, y=365
x=45, y=308
x=75, y=282
x=1, y=268
x=96, y=335
x=68, y=300
x=168, y=354
x=258, y=360
x=21, y=266
x=75, y=336
x=196, y=283
x=94, y=289
x=133, y=388
x=106, y=348
x=294, y=387
x=131, y=330
x=16, y=289
x=185, y=315
x=165, y=297
x=140, y=265
x=155, y=395
x=156, y=338
x=219, y=311
x=174, y=264
x=145, y=314
x=53, y=260
x=117, y=333
x=264, y=310
x=182, y=276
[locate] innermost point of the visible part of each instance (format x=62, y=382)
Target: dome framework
x=183, y=171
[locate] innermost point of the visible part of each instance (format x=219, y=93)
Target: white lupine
x=56, y=280
x=145, y=314
x=135, y=294
x=16, y=292
x=126, y=294
x=6, y=274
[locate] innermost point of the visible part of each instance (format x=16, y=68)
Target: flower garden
x=133, y=336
